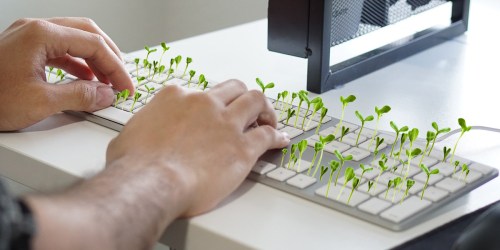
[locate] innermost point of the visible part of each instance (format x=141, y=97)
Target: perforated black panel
x=353, y=18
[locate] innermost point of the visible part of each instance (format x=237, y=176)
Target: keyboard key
x=365, y=145
x=157, y=87
x=374, y=206
x=481, y=168
x=280, y=125
x=445, y=169
x=368, y=133
x=303, y=111
x=409, y=207
x=327, y=131
x=176, y=81
x=335, y=145
x=281, y=174
x=422, y=177
x=301, y=181
x=369, y=175
x=160, y=78
x=130, y=67
x=357, y=197
x=263, y=167
x=393, y=198
x=461, y=160
x=281, y=116
x=349, y=184
x=318, y=117
x=413, y=171
x=351, y=139
x=450, y=185
x=434, y=194
x=373, y=191
x=292, y=132
x=352, y=127
x=472, y=177
x=389, y=139
x=304, y=165
x=427, y=161
x=127, y=105
x=357, y=153
x=309, y=125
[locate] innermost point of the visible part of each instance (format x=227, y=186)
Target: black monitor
x=310, y=28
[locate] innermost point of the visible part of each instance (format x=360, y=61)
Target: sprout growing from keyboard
x=348, y=176
x=318, y=146
x=264, y=86
x=446, y=153
x=397, y=131
x=290, y=114
x=412, y=137
x=438, y=132
x=170, y=72
x=50, y=73
x=137, y=95
x=409, y=185
x=205, y=85
x=123, y=95
x=292, y=155
x=60, y=74
x=140, y=79
x=363, y=120
x=465, y=128
x=150, y=51
x=309, y=103
x=149, y=91
x=380, y=112
x=397, y=182
x=155, y=69
x=456, y=163
x=322, y=172
x=178, y=60
x=334, y=166
x=137, y=61
x=466, y=171
x=284, y=95
x=317, y=106
x=324, y=111
x=429, y=138
x=345, y=102
x=283, y=151
x=302, y=146
x=277, y=101
x=355, y=184
x=378, y=143
x=302, y=97
x=323, y=141
x=189, y=60
x=201, y=80
x=165, y=49
x=389, y=185
x=364, y=170
x=370, y=185
x=191, y=75
x=342, y=160
x=383, y=167
x=344, y=132
x=428, y=173
x=404, y=137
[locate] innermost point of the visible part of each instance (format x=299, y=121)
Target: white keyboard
x=372, y=200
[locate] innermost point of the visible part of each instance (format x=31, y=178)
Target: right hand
x=207, y=141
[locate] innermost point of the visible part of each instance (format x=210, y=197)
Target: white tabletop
x=455, y=79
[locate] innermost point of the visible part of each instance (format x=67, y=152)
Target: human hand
x=29, y=45
x=207, y=142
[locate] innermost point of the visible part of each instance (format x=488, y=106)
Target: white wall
x=135, y=23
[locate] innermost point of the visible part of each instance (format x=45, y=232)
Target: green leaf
x=323, y=112
x=461, y=122
x=325, y=140
x=284, y=151
x=445, y=130
x=349, y=174
x=425, y=169
x=409, y=184
x=369, y=118
x=316, y=100
x=404, y=129
x=415, y=152
x=397, y=181
x=435, y=171
x=435, y=126
x=334, y=165
x=164, y=46
x=270, y=85
x=302, y=146
x=323, y=172
x=348, y=158
x=318, y=146
x=192, y=73
x=189, y=60
x=350, y=99
x=355, y=183
x=385, y=109
x=389, y=184
x=338, y=155
x=359, y=116
x=430, y=136
x=413, y=135
x=393, y=126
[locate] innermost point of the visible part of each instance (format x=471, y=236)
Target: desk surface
x=455, y=79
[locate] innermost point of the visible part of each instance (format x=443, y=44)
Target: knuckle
x=85, y=94
x=256, y=95
x=98, y=39
x=238, y=84
x=37, y=26
x=170, y=90
x=22, y=21
x=88, y=22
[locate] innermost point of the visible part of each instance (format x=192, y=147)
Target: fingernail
x=104, y=96
x=286, y=136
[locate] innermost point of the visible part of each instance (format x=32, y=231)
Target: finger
x=252, y=106
x=73, y=66
x=228, y=91
x=264, y=138
x=88, y=25
x=92, y=48
x=80, y=95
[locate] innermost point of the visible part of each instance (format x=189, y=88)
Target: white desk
x=455, y=79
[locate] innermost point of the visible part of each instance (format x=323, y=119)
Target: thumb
x=82, y=95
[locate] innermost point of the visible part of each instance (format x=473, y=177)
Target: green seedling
x=397, y=131
x=409, y=185
x=50, y=73
x=264, y=86
x=345, y=131
x=205, y=85
x=191, y=75
x=345, y=102
x=283, y=151
x=155, y=69
x=124, y=94
x=446, y=153
x=277, y=101
x=355, y=184
x=309, y=103
x=150, y=66
x=324, y=111
x=334, y=166
x=165, y=49
x=317, y=106
x=465, y=128
x=370, y=185
x=404, y=137
x=140, y=79
x=410, y=154
x=189, y=60
x=383, y=167
x=412, y=137
x=284, y=95
x=380, y=112
x=363, y=121
x=60, y=74
x=145, y=63
x=364, y=170
x=172, y=62
x=150, y=51
x=137, y=61
x=322, y=172
x=342, y=160
x=290, y=114
x=378, y=142
x=149, y=91
x=323, y=141
x=389, y=185
x=429, y=138
x=137, y=95
x=302, y=97
x=397, y=181
x=318, y=146
x=294, y=96
x=456, y=164
x=348, y=176
x=295, y=159
x=302, y=146
x=466, y=171
x=169, y=73
x=428, y=173
x=438, y=132
x=201, y=80
x=292, y=154
x=178, y=60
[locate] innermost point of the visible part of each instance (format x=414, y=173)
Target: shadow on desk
x=50, y=123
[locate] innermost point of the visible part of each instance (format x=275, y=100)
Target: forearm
x=127, y=206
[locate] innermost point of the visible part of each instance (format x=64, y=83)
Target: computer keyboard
x=394, y=208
